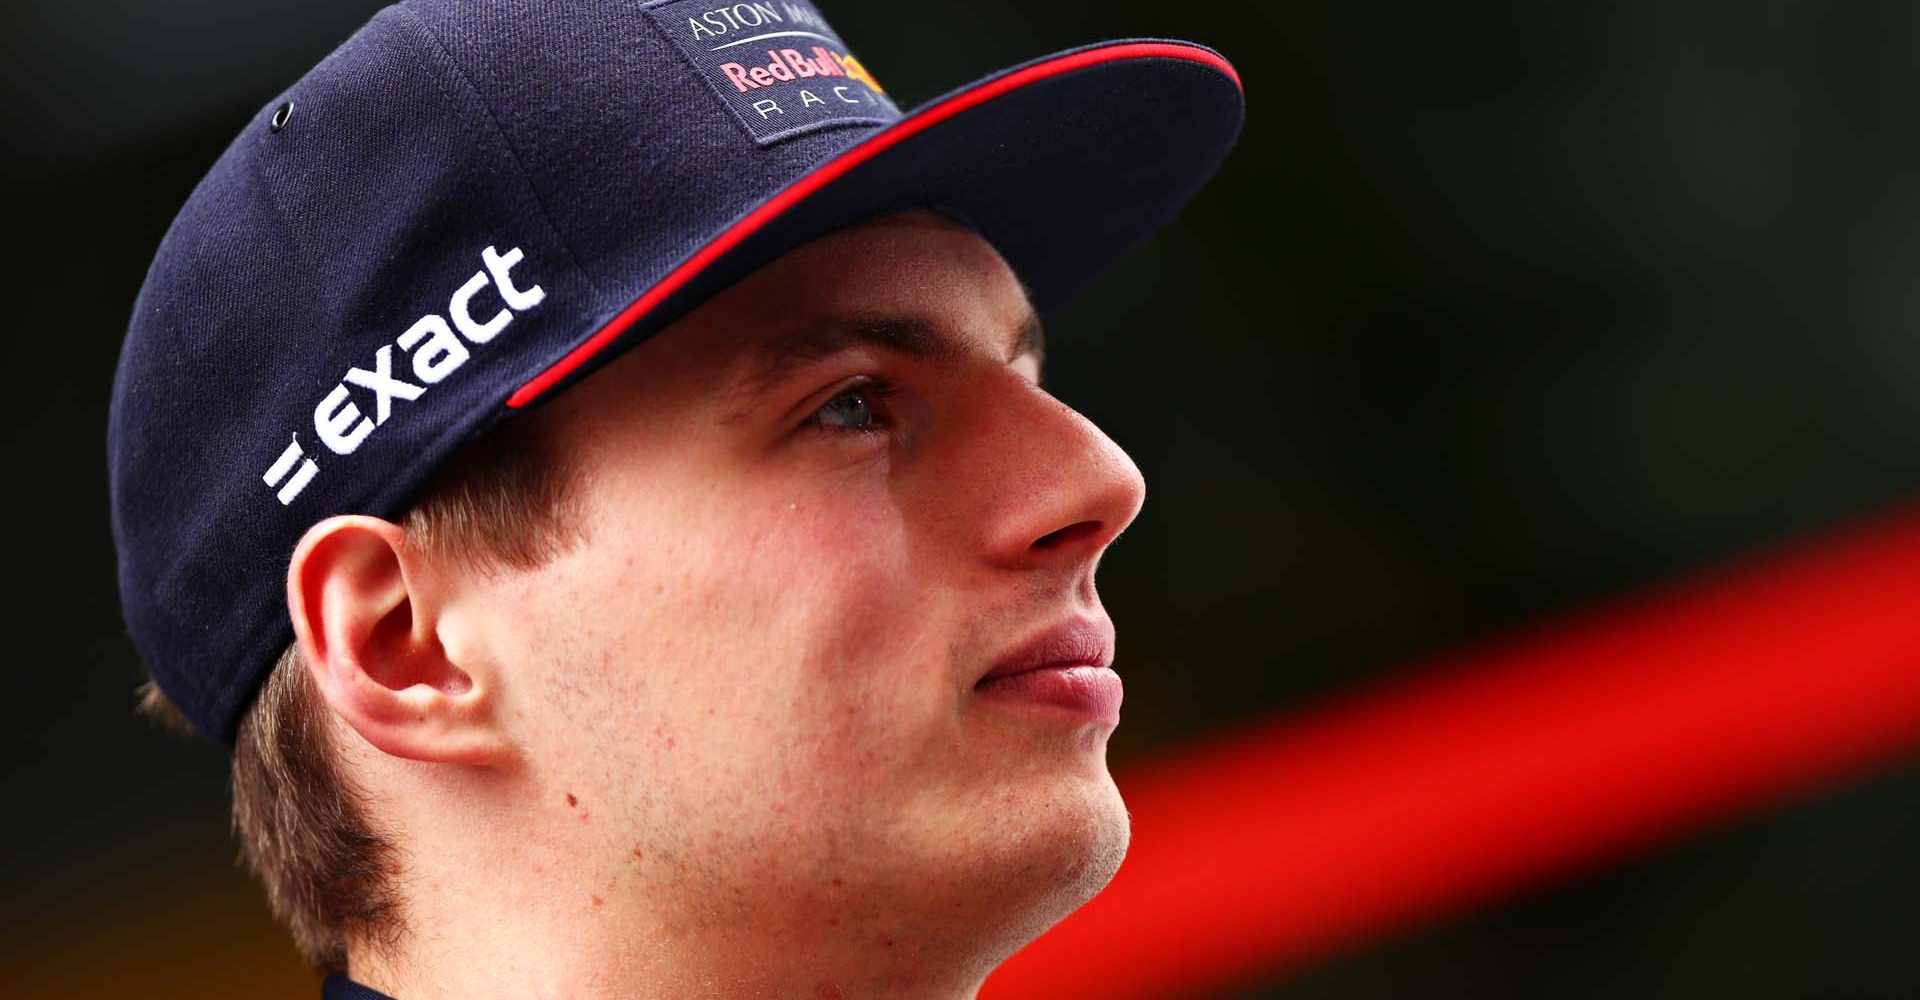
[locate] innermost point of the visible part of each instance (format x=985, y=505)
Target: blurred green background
x=1498, y=310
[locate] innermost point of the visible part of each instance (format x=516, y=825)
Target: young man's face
x=818, y=511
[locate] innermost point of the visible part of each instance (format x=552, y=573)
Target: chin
x=1067, y=850
x=1098, y=842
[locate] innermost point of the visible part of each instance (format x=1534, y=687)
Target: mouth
x=1063, y=672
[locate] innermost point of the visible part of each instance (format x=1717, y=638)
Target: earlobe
x=365, y=611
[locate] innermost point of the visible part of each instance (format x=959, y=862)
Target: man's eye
x=860, y=408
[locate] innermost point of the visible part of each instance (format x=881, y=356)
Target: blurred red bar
x=1512, y=766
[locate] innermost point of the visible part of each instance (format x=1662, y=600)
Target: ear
x=366, y=611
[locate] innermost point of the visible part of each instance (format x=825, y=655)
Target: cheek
x=841, y=619
x=833, y=595
x=796, y=642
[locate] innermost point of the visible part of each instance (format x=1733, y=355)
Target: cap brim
x=1064, y=164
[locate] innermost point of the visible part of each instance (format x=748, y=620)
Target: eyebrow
x=914, y=336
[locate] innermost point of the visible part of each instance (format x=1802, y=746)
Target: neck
x=537, y=959
x=551, y=919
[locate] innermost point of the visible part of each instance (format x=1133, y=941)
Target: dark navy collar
x=342, y=988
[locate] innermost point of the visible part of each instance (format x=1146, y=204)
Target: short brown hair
x=506, y=499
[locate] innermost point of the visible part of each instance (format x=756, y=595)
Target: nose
x=1064, y=490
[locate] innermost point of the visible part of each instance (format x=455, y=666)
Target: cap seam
x=506, y=143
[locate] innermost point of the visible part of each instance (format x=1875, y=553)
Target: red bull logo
x=789, y=65
x=776, y=66
x=855, y=71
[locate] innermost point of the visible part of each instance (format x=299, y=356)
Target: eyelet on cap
x=281, y=117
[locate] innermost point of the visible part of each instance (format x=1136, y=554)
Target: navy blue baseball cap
x=471, y=205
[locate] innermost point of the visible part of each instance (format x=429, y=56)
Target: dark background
x=1499, y=309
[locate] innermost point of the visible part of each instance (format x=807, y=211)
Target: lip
x=1066, y=669
x=1082, y=642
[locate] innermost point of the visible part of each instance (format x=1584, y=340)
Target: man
x=590, y=465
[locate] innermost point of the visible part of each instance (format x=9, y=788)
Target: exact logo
x=435, y=353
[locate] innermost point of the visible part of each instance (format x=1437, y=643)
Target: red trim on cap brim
x=833, y=169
